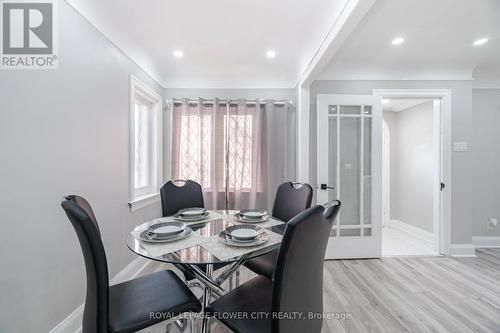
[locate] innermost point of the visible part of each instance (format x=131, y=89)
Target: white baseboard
x=462, y=250
x=486, y=241
x=417, y=232
x=70, y=324
x=73, y=323
x=131, y=271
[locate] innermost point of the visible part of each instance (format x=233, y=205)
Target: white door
x=349, y=156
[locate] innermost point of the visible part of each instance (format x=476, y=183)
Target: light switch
x=460, y=146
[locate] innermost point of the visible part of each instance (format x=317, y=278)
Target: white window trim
x=145, y=199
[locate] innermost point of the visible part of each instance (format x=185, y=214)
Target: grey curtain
x=240, y=152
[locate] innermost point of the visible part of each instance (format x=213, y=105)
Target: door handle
x=443, y=186
x=326, y=187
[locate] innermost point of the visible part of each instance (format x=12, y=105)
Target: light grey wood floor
x=409, y=294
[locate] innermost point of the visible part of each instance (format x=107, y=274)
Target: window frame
x=147, y=195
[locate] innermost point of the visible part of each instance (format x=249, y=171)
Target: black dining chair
x=125, y=307
x=176, y=197
x=297, y=287
x=291, y=199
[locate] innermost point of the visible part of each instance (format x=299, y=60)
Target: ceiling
x=397, y=105
x=438, y=41
x=224, y=41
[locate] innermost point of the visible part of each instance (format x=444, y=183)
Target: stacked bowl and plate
x=252, y=216
x=164, y=232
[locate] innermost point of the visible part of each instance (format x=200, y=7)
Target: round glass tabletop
x=197, y=254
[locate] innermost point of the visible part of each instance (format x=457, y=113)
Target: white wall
x=487, y=76
x=62, y=131
x=461, y=219
x=485, y=151
x=413, y=165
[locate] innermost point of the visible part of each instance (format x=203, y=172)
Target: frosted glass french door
x=349, y=163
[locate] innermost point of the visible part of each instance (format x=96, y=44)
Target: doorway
x=359, y=235
x=442, y=101
x=411, y=171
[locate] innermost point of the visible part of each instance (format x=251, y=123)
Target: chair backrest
x=95, y=315
x=298, y=278
x=85, y=205
x=291, y=199
x=174, y=198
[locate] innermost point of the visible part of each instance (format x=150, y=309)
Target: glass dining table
x=199, y=253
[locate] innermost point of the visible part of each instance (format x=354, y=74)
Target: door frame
x=443, y=200
x=386, y=171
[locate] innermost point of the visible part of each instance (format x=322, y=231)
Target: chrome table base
x=212, y=287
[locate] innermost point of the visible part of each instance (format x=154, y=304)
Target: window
x=145, y=144
x=141, y=123
x=195, y=147
x=215, y=145
x=238, y=136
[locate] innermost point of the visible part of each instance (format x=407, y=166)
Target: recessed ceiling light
x=480, y=42
x=385, y=101
x=398, y=41
x=271, y=54
x=178, y=54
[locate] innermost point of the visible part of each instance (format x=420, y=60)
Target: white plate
x=166, y=229
x=236, y=240
x=240, y=218
x=191, y=218
x=253, y=214
x=147, y=237
x=261, y=239
x=243, y=232
x=192, y=212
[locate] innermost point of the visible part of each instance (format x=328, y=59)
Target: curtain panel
x=238, y=151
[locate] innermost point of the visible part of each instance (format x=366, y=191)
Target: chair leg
x=237, y=277
x=206, y=300
x=205, y=325
x=191, y=324
x=207, y=292
x=181, y=324
x=230, y=282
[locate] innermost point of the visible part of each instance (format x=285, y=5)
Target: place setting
x=189, y=216
x=243, y=235
x=253, y=216
x=165, y=232
x=240, y=239
x=192, y=215
x=173, y=233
